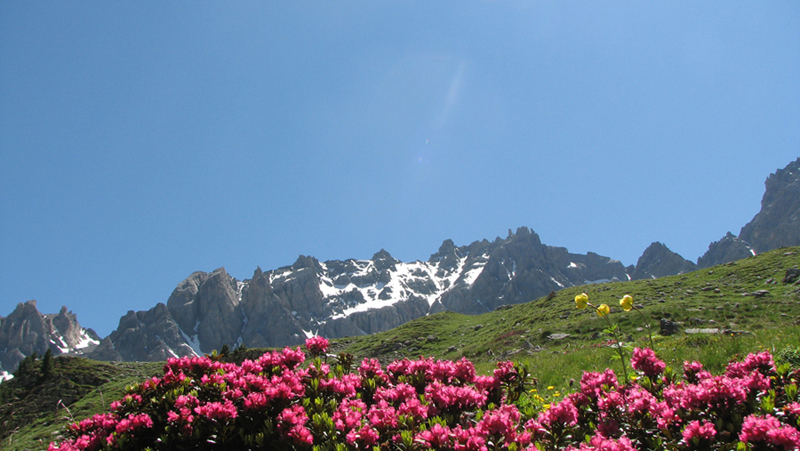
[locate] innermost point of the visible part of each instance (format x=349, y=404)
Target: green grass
x=709, y=298
x=34, y=416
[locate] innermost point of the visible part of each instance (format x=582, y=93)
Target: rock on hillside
x=778, y=222
x=727, y=249
x=658, y=261
x=26, y=331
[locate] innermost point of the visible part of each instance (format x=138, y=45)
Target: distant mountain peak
x=778, y=222
x=26, y=331
x=658, y=261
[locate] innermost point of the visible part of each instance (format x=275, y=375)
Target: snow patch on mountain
x=192, y=340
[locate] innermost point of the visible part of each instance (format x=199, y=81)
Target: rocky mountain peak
x=658, y=261
x=383, y=260
x=26, y=331
x=727, y=249
x=778, y=222
x=305, y=261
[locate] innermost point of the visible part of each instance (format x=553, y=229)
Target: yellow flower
x=550, y=387
x=581, y=300
x=626, y=302
x=603, y=310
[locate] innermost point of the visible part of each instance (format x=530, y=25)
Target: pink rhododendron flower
x=437, y=437
x=413, y=407
x=501, y=421
x=640, y=401
x=291, y=358
x=690, y=370
x=216, y=411
x=317, y=345
x=594, y=384
x=371, y=368
x=563, y=413
x=366, y=437
x=382, y=416
x=769, y=430
x=399, y=393
x=761, y=362
x=202, y=399
x=443, y=397
x=792, y=409
x=645, y=360
x=134, y=422
x=601, y=443
x=505, y=371
x=698, y=431
x=349, y=414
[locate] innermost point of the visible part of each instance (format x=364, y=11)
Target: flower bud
x=626, y=302
x=581, y=300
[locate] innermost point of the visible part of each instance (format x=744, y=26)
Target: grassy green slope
x=33, y=411
x=709, y=298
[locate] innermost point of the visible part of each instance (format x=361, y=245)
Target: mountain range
x=336, y=298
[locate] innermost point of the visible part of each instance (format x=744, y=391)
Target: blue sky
x=142, y=141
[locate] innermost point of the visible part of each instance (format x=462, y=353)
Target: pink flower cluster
x=645, y=360
x=421, y=404
x=317, y=345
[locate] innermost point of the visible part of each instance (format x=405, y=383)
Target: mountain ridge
x=337, y=298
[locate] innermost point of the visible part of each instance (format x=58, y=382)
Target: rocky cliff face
x=518, y=269
x=206, y=307
x=658, y=261
x=26, y=331
x=727, y=249
x=145, y=336
x=778, y=222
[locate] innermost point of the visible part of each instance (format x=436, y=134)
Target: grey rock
x=658, y=261
x=729, y=248
x=519, y=269
x=702, y=331
x=26, y=331
x=668, y=327
x=777, y=224
x=207, y=306
x=151, y=335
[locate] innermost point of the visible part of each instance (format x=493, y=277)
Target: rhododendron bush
x=275, y=402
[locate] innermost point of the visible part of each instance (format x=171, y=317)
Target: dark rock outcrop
x=658, y=261
x=778, y=222
x=729, y=248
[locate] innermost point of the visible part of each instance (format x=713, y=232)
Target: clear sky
x=143, y=141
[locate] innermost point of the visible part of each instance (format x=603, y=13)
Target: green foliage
x=47, y=364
